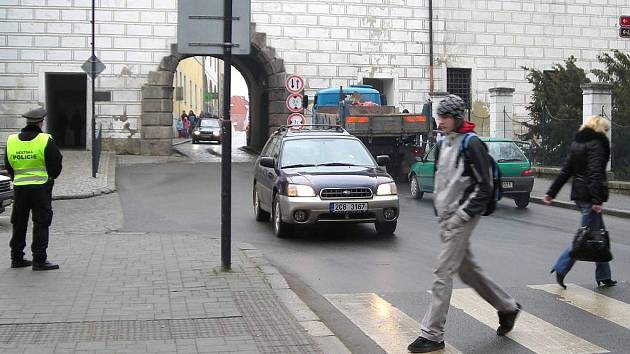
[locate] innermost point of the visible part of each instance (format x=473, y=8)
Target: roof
x=495, y=139
x=313, y=131
x=349, y=90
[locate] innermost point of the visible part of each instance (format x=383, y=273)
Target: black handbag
x=591, y=245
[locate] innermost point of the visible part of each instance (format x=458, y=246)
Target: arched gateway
x=263, y=72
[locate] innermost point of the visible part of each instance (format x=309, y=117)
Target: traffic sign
x=296, y=121
x=624, y=32
x=98, y=66
x=294, y=102
x=624, y=21
x=200, y=27
x=294, y=84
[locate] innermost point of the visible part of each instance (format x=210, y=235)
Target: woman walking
x=588, y=157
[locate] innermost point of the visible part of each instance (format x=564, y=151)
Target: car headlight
x=300, y=190
x=196, y=132
x=387, y=189
x=216, y=133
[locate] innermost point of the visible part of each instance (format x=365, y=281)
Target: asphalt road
x=516, y=248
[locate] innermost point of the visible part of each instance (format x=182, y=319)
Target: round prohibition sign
x=294, y=84
x=294, y=102
x=296, y=121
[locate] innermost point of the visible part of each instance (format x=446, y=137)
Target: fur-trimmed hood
x=587, y=134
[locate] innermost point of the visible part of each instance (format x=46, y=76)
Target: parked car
x=6, y=192
x=207, y=129
x=517, y=178
x=322, y=175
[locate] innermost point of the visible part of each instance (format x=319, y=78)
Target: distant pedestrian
x=179, y=126
x=586, y=163
x=462, y=191
x=33, y=161
x=186, y=124
x=193, y=121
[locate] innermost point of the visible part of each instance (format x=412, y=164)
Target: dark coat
x=588, y=156
x=52, y=157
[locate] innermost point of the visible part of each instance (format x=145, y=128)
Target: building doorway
x=66, y=96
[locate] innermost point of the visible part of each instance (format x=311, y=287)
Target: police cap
x=35, y=116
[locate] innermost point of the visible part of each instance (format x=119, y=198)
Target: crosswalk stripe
x=530, y=331
x=389, y=327
x=597, y=304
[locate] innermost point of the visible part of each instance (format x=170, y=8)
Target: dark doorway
x=66, y=96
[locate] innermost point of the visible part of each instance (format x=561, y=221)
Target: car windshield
x=325, y=152
x=210, y=123
x=505, y=151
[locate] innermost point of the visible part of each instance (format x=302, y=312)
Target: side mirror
x=268, y=162
x=383, y=100
x=305, y=101
x=419, y=159
x=382, y=160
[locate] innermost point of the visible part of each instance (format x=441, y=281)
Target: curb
x=566, y=205
x=182, y=142
x=110, y=188
x=312, y=324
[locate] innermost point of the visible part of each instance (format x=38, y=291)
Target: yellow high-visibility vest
x=27, y=159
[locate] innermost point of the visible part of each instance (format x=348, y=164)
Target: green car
x=516, y=175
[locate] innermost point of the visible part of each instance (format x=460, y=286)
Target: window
x=458, y=83
x=344, y=152
x=431, y=154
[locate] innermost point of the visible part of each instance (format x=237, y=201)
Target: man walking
x=463, y=188
x=33, y=162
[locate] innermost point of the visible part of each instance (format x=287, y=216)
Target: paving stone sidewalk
x=76, y=181
x=121, y=292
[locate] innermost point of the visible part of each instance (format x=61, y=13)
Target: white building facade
x=477, y=45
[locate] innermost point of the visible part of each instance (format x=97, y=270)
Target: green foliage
x=555, y=110
x=617, y=72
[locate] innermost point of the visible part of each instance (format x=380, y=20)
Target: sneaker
x=20, y=263
x=423, y=345
x=507, y=320
x=45, y=266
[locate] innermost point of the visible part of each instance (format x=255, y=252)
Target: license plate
x=347, y=207
x=507, y=185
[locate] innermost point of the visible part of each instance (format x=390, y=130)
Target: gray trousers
x=456, y=257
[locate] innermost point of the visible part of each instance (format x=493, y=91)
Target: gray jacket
x=462, y=186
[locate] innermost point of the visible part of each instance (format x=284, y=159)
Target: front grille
x=345, y=193
x=5, y=186
x=346, y=216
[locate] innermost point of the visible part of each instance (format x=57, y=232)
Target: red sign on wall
x=624, y=21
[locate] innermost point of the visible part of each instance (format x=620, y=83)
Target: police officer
x=33, y=162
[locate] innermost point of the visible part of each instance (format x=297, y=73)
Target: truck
x=364, y=113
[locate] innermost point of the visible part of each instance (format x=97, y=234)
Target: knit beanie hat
x=452, y=106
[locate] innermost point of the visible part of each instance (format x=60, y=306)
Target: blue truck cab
x=330, y=97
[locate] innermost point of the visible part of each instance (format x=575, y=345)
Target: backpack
x=495, y=172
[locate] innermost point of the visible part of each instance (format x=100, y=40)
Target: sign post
x=294, y=102
x=220, y=38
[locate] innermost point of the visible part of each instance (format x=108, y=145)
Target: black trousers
x=38, y=200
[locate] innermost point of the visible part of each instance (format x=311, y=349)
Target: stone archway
x=264, y=73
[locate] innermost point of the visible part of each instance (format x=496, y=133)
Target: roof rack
x=314, y=127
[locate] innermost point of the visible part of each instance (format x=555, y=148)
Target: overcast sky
x=239, y=87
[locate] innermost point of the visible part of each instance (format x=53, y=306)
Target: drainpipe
x=431, y=88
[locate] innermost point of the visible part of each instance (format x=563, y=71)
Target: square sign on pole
x=200, y=27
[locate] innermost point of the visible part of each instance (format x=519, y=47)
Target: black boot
x=20, y=263
x=507, y=320
x=45, y=266
x=607, y=282
x=423, y=345
x=560, y=279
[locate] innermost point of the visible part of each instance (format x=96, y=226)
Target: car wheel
x=260, y=214
x=385, y=228
x=521, y=200
x=194, y=141
x=414, y=188
x=280, y=228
